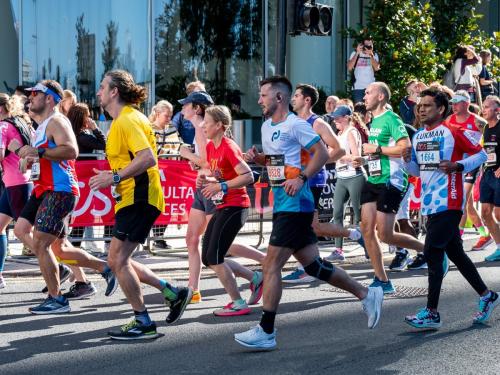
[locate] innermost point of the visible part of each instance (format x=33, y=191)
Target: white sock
x=354, y=234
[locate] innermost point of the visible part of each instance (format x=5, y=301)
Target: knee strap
x=320, y=269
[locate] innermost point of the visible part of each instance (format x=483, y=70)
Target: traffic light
x=309, y=17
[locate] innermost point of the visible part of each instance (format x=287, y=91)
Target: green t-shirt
x=386, y=129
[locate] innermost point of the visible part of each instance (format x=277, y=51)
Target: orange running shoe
x=196, y=297
x=482, y=243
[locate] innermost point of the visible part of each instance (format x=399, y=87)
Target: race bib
x=275, y=165
x=218, y=198
x=115, y=194
x=428, y=155
x=35, y=170
x=374, y=165
x=490, y=149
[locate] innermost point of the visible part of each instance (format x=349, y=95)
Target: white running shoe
x=372, y=305
x=256, y=338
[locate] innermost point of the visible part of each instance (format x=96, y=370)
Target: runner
x=52, y=158
x=473, y=125
x=135, y=181
x=387, y=183
x=490, y=182
x=284, y=135
x=225, y=186
x=438, y=156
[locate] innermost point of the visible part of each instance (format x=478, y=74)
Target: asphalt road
x=320, y=331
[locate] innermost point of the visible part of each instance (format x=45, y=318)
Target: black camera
x=367, y=47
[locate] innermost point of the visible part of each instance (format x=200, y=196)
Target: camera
x=365, y=47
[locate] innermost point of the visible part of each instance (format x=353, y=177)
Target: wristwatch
x=460, y=167
x=224, y=187
x=116, y=178
x=303, y=177
x=40, y=151
x=378, y=150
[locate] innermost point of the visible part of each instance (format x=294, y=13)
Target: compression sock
x=142, y=317
x=483, y=231
x=267, y=321
x=168, y=291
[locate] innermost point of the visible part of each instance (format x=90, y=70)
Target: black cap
x=197, y=97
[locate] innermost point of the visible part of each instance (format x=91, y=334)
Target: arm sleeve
x=469, y=145
x=94, y=142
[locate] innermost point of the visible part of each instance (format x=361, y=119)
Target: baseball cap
x=198, y=97
x=460, y=96
x=341, y=110
x=39, y=87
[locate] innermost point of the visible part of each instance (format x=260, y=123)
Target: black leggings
x=443, y=235
x=220, y=234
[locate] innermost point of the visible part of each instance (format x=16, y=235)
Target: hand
x=406, y=154
x=91, y=124
x=357, y=161
x=448, y=166
x=185, y=151
x=497, y=173
x=101, y=180
x=369, y=148
x=250, y=155
x=293, y=186
x=26, y=151
x=359, y=48
x=201, y=180
x=211, y=189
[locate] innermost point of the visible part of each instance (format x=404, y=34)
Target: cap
x=198, y=97
x=341, y=110
x=42, y=88
x=460, y=96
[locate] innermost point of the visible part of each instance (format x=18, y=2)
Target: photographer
x=363, y=63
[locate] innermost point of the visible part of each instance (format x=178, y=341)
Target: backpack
x=25, y=130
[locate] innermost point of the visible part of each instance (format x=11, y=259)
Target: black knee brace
x=320, y=269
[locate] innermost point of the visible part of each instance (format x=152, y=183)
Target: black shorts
x=203, y=204
x=489, y=188
x=220, y=234
x=388, y=197
x=442, y=228
x=471, y=177
x=14, y=199
x=134, y=222
x=316, y=192
x=292, y=230
x=51, y=212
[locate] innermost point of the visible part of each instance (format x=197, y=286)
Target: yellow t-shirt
x=130, y=133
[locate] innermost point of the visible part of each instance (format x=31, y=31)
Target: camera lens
x=368, y=47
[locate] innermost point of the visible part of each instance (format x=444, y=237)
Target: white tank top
x=346, y=170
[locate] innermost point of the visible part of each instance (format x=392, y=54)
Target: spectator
x=486, y=82
x=331, y=103
x=68, y=100
x=347, y=102
x=365, y=115
x=408, y=103
x=466, y=65
x=364, y=62
x=185, y=127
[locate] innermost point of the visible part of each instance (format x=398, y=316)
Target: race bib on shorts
x=489, y=148
x=275, y=165
x=35, y=170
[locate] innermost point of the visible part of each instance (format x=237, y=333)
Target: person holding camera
x=363, y=63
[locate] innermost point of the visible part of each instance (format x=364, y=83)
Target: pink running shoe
x=232, y=309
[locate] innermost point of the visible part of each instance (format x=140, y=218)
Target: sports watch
x=116, y=178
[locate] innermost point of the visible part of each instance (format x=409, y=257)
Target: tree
x=110, y=51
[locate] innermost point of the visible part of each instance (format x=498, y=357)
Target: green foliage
x=417, y=39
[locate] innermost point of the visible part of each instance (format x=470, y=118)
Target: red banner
x=97, y=207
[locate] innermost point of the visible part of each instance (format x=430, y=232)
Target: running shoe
x=64, y=274
x=400, y=261
x=232, y=309
x=256, y=338
x=386, y=286
x=417, y=263
x=135, y=330
x=482, y=243
x=161, y=244
x=494, y=257
x=336, y=255
x=424, y=319
x=80, y=291
x=51, y=306
x=372, y=305
x=299, y=276
x=178, y=305
x=2, y=282
x=111, y=281
x=196, y=298
x=256, y=289
x=486, y=307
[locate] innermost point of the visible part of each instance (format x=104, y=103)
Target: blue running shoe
x=386, y=286
x=51, y=306
x=299, y=276
x=493, y=257
x=111, y=281
x=424, y=319
x=446, y=265
x=486, y=307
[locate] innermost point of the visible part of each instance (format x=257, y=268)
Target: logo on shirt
x=275, y=136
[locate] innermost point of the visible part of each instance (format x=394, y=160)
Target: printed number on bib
x=490, y=149
x=35, y=171
x=374, y=165
x=428, y=155
x=275, y=165
x=218, y=198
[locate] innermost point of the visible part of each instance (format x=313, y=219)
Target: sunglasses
x=33, y=94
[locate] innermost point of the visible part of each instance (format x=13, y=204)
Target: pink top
x=10, y=164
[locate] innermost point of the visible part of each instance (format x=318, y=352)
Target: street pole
x=281, y=38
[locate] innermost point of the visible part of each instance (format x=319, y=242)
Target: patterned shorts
x=50, y=213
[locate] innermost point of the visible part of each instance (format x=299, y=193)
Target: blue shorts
x=489, y=188
x=203, y=204
x=14, y=198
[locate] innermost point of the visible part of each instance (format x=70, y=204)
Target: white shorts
x=404, y=207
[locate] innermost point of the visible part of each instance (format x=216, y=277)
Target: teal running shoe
x=486, y=307
x=424, y=319
x=386, y=286
x=495, y=257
